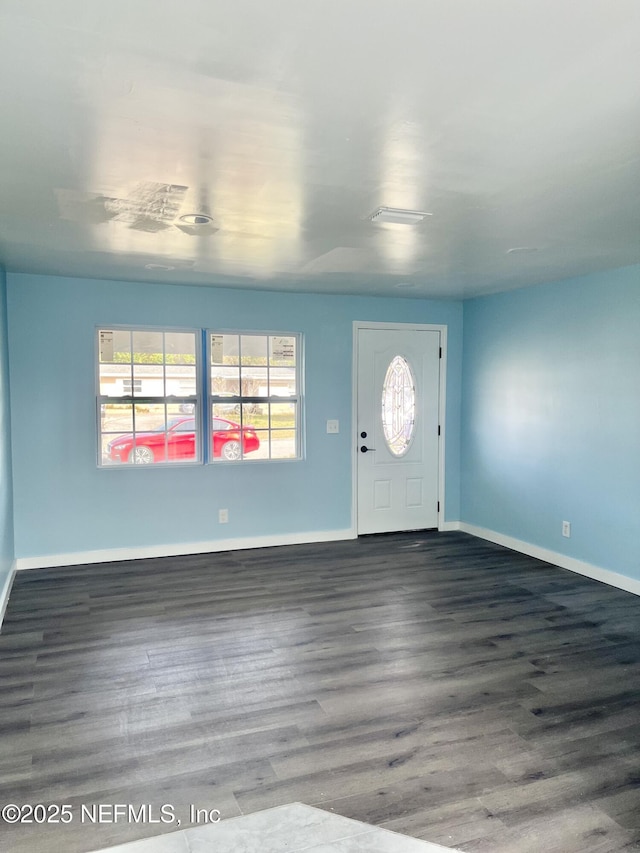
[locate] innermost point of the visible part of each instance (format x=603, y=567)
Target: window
x=148, y=396
x=398, y=406
x=254, y=394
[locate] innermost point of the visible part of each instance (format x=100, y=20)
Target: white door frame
x=442, y=409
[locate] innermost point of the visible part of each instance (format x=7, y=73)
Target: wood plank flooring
x=433, y=684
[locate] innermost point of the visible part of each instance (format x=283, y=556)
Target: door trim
x=442, y=408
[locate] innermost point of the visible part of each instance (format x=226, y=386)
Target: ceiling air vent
x=196, y=218
x=398, y=215
x=197, y=224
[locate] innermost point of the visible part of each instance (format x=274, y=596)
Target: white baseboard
x=595, y=572
x=110, y=555
x=6, y=589
x=77, y=558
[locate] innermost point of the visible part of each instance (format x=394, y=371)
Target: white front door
x=397, y=429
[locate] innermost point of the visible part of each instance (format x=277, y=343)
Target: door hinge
x=438, y=429
x=438, y=506
x=440, y=353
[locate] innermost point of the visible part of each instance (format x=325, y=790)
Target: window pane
x=109, y=454
x=148, y=380
x=224, y=349
x=181, y=380
x=230, y=441
x=254, y=349
x=147, y=347
x=226, y=440
x=188, y=384
x=282, y=350
x=144, y=451
x=282, y=382
x=227, y=412
x=283, y=430
x=182, y=439
x=149, y=417
x=225, y=381
x=116, y=417
x=180, y=347
x=262, y=451
x=114, y=346
x=255, y=414
x=112, y=377
x=179, y=410
x=149, y=440
x=182, y=424
x=121, y=346
x=254, y=382
x=283, y=415
x=283, y=444
x=219, y=424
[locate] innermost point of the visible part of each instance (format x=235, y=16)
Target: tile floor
x=284, y=829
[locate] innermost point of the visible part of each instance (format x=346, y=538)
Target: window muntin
x=398, y=406
x=148, y=383
x=254, y=390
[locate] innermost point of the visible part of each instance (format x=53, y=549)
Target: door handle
x=365, y=449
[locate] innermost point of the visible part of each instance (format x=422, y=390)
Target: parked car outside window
x=229, y=440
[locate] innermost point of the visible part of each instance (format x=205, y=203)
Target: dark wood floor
x=433, y=684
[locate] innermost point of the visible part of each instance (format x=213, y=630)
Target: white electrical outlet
x=223, y=516
x=333, y=426
x=566, y=529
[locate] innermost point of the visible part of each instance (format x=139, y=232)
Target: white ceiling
x=515, y=123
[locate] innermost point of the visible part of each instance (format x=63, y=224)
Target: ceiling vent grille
x=398, y=215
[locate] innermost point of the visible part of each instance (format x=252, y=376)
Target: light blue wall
x=6, y=489
x=551, y=417
x=64, y=503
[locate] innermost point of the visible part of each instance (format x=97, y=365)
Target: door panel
x=397, y=429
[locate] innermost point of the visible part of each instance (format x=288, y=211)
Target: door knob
x=365, y=449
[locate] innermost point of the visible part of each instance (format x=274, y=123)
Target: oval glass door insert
x=398, y=406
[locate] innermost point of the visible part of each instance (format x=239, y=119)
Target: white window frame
x=195, y=399
x=241, y=399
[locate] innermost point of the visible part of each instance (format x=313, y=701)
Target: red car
x=227, y=440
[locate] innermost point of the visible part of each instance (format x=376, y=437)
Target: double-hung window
x=148, y=400
x=151, y=390
x=254, y=393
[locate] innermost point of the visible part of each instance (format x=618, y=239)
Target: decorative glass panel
x=398, y=406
